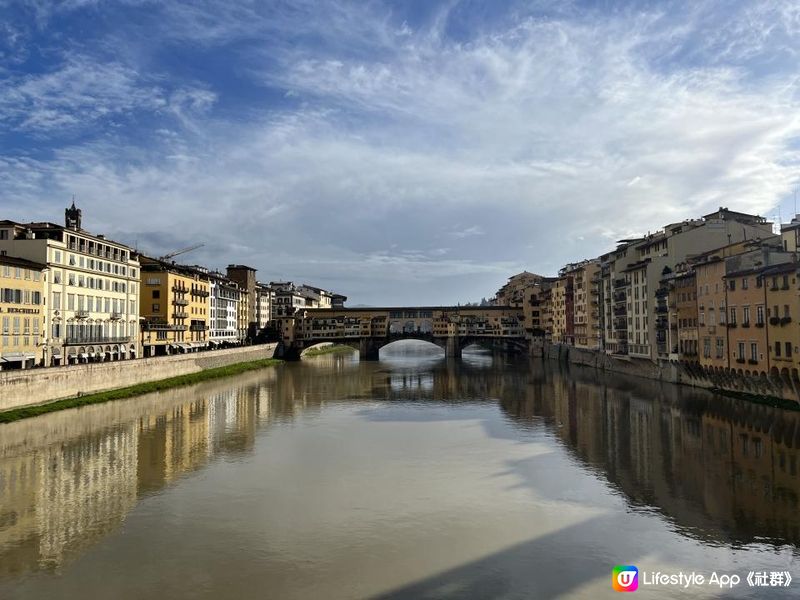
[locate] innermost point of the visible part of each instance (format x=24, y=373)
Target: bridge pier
x=368, y=349
x=453, y=349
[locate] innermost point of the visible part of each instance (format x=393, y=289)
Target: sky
x=400, y=153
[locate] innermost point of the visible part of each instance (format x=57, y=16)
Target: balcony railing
x=197, y=327
x=162, y=327
x=180, y=302
x=180, y=315
x=95, y=339
x=81, y=314
x=116, y=316
x=179, y=289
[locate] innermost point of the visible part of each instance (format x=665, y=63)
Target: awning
x=83, y=355
x=17, y=357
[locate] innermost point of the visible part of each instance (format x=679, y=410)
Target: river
x=412, y=477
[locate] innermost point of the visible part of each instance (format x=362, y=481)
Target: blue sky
x=397, y=152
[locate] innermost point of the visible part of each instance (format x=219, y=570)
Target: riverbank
x=137, y=390
x=32, y=387
x=332, y=349
x=777, y=390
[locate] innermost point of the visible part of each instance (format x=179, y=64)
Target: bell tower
x=72, y=217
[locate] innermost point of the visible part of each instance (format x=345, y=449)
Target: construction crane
x=166, y=257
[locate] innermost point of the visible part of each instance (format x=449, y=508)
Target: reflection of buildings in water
x=64, y=497
x=411, y=381
x=717, y=466
x=86, y=489
x=172, y=444
x=60, y=494
x=19, y=486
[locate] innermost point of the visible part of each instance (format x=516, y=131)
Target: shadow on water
x=500, y=575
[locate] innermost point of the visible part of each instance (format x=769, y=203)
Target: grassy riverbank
x=136, y=390
x=334, y=349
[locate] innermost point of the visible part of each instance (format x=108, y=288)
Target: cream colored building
x=586, y=304
x=92, y=295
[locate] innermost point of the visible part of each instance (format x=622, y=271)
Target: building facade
x=23, y=313
x=92, y=307
x=223, y=311
x=175, y=307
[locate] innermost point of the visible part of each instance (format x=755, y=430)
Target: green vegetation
x=334, y=349
x=136, y=390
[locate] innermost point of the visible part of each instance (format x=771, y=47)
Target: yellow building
x=22, y=312
x=174, y=307
x=779, y=285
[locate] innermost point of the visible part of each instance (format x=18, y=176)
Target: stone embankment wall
x=38, y=386
x=777, y=386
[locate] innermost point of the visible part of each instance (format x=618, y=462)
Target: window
x=156, y=307
x=56, y=300
x=777, y=349
x=760, y=315
x=744, y=283
x=720, y=347
x=741, y=351
x=732, y=285
x=754, y=351
x=733, y=315
x=785, y=311
x=788, y=347
x=707, y=347
x=745, y=315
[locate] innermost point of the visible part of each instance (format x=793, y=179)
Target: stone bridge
x=369, y=329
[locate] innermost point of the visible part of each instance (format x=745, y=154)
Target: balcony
x=759, y=323
x=116, y=316
x=731, y=325
x=197, y=327
x=180, y=302
x=77, y=340
x=180, y=289
x=661, y=310
x=619, y=283
x=752, y=361
x=180, y=315
x=81, y=314
x=620, y=311
x=148, y=326
x=774, y=320
x=786, y=321
x=746, y=324
x=200, y=293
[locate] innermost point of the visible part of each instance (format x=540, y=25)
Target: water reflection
x=722, y=471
